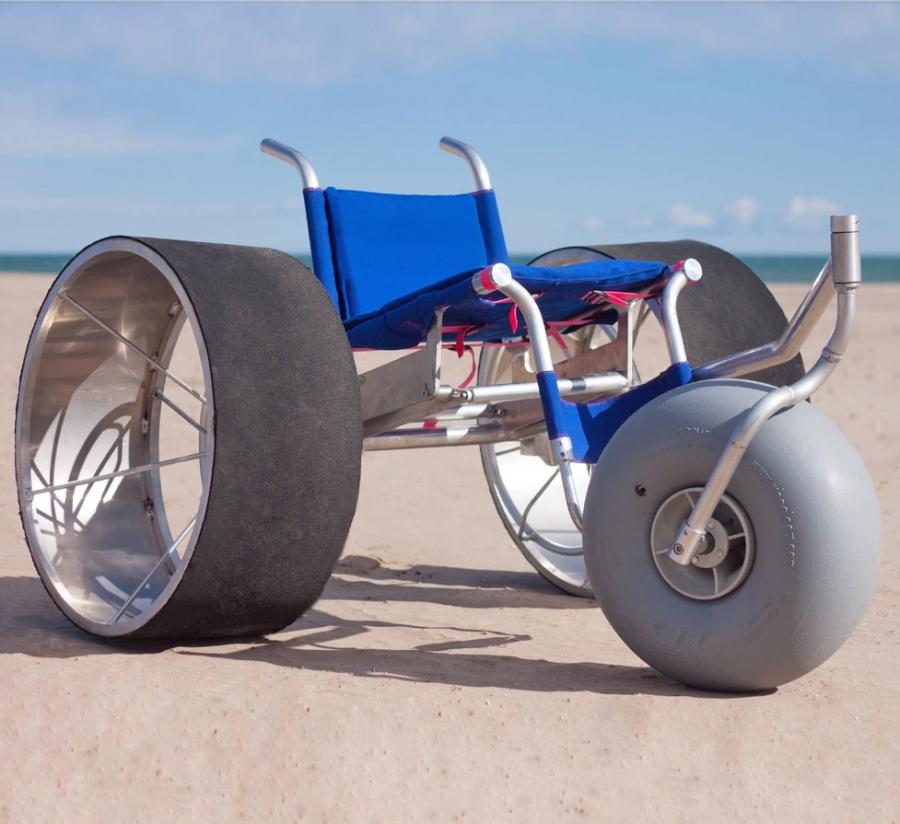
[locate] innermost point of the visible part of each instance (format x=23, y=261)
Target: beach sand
x=443, y=680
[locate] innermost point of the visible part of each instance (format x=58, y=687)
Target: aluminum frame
x=389, y=401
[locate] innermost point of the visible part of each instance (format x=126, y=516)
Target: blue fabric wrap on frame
x=387, y=246
x=491, y=228
x=403, y=323
x=592, y=425
x=320, y=244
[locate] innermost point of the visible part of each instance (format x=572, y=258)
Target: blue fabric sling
x=390, y=261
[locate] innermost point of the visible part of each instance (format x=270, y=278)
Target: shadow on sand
x=31, y=625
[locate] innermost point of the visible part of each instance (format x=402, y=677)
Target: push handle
x=467, y=153
x=292, y=157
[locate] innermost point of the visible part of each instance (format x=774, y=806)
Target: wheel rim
x=528, y=492
x=113, y=453
x=549, y=540
x=725, y=557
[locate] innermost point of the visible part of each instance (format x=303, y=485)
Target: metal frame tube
x=439, y=436
x=845, y=269
x=688, y=272
x=467, y=153
x=787, y=346
x=286, y=154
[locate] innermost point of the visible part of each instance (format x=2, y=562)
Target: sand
x=439, y=678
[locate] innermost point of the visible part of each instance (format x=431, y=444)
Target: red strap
x=557, y=336
x=472, y=370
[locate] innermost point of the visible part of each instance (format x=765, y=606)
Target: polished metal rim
x=725, y=557
x=114, y=448
x=528, y=491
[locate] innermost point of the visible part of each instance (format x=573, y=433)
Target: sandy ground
x=449, y=682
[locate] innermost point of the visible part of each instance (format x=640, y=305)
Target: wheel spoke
x=179, y=411
x=717, y=584
x=166, y=555
x=117, y=445
x=154, y=362
x=121, y=473
x=736, y=535
x=533, y=501
x=517, y=448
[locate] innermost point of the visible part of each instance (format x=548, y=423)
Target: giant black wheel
x=188, y=439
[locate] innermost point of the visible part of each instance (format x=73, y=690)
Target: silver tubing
x=591, y=384
x=534, y=320
x=165, y=557
x=787, y=346
x=439, y=436
x=846, y=272
x=154, y=362
x=121, y=473
x=179, y=411
x=561, y=448
x=467, y=153
x=688, y=272
x=292, y=157
x=845, y=255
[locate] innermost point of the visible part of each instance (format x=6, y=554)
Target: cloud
x=744, y=211
x=809, y=213
x=312, y=44
x=30, y=130
x=687, y=217
x=593, y=222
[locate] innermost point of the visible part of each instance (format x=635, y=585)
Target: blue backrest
x=370, y=249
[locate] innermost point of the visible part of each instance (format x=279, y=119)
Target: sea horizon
x=773, y=268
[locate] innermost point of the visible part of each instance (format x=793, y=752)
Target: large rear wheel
x=188, y=439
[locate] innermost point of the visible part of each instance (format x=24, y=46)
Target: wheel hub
x=726, y=555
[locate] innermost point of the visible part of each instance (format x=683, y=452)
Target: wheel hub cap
x=725, y=558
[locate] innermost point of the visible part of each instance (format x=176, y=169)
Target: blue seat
x=389, y=262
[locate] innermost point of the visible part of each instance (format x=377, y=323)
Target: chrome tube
x=787, y=346
x=439, y=436
x=467, y=153
x=589, y=385
x=689, y=272
x=846, y=273
x=292, y=157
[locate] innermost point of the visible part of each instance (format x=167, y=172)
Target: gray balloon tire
x=817, y=535
x=288, y=444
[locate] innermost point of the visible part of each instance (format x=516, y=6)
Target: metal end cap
x=844, y=223
x=501, y=275
x=692, y=269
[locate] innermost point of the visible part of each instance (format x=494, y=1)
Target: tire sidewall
x=816, y=533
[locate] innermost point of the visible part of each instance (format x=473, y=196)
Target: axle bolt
x=678, y=548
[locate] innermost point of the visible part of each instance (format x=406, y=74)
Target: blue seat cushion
x=561, y=292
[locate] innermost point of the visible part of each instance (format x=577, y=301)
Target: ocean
x=771, y=268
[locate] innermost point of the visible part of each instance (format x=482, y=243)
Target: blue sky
x=741, y=124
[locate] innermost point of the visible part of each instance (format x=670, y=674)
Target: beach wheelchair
x=190, y=424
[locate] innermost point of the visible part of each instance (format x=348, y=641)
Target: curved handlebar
x=292, y=157
x=467, y=153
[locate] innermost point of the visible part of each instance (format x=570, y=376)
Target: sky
x=744, y=125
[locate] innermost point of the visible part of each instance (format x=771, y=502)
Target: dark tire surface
x=287, y=440
x=729, y=310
